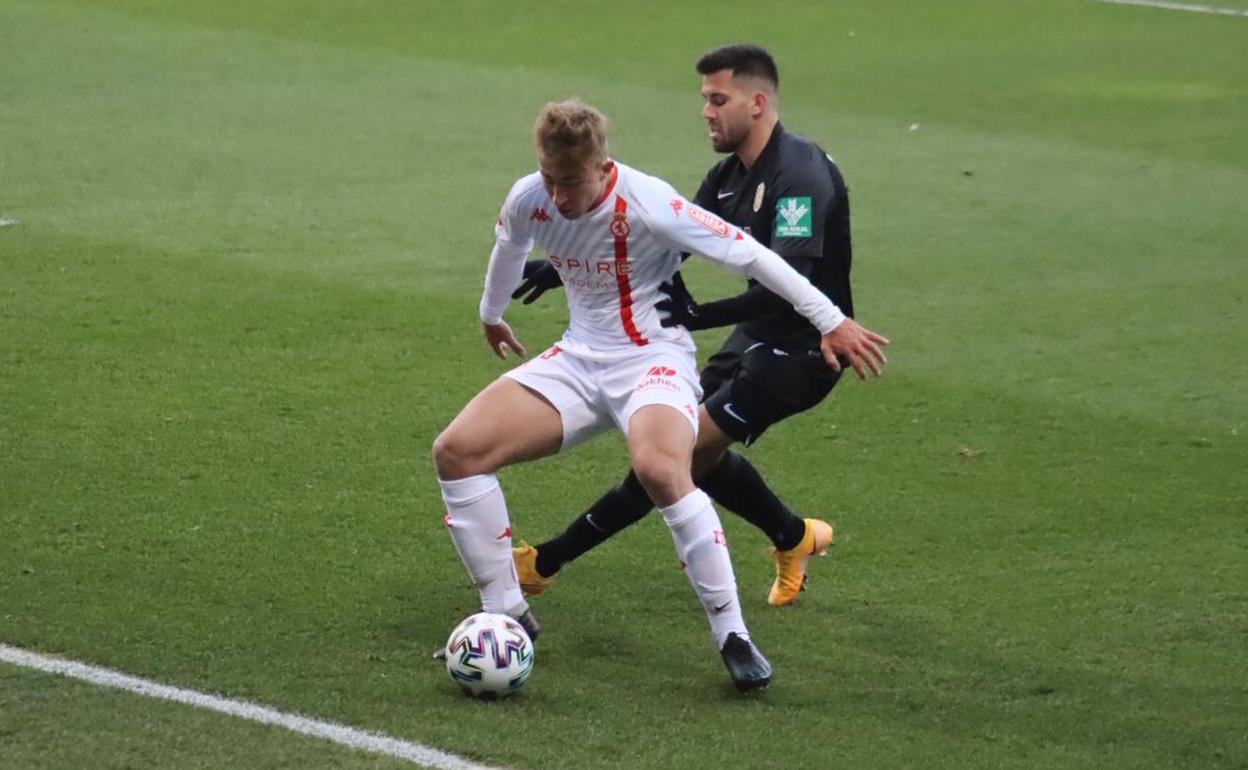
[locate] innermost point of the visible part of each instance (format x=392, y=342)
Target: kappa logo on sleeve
x=793, y=218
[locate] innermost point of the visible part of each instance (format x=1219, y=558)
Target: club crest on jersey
x=540, y=215
x=619, y=224
x=710, y=221
x=758, y=196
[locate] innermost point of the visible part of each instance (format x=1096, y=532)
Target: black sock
x=736, y=485
x=625, y=504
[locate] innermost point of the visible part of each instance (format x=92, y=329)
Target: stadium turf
x=238, y=290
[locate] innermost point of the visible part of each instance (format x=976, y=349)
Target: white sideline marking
x=7, y=222
x=1180, y=7
x=341, y=734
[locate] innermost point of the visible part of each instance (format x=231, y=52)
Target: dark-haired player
x=615, y=235
x=788, y=193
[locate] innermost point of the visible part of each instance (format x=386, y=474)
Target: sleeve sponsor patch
x=712, y=222
x=793, y=218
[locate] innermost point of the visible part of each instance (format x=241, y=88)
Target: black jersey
x=794, y=201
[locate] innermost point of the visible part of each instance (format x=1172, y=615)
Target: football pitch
x=241, y=250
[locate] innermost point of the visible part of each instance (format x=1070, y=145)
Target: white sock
x=476, y=517
x=703, y=549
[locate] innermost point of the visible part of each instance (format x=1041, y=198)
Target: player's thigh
x=503, y=424
x=711, y=445
x=654, y=400
x=573, y=386
x=661, y=375
x=660, y=429
x=660, y=449
x=723, y=364
x=771, y=385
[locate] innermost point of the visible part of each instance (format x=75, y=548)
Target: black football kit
x=792, y=200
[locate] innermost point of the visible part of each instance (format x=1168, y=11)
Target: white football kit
x=615, y=357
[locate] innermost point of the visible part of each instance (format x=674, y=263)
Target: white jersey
x=613, y=259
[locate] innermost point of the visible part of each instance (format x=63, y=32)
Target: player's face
x=574, y=186
x=727, y=109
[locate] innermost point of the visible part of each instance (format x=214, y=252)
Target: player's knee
x=455, y=456
x=662, y=475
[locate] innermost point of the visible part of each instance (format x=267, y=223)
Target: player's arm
x=808, y=188
x=700, y=232
x=680, y=307
x=754, y=303
x=512, y=245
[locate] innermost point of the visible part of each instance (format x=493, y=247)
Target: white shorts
x=592, y=395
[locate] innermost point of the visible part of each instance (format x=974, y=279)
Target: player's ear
x=758, y=103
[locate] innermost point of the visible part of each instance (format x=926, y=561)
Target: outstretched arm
x=696, y=230
x=750, y=305
x=841, y=335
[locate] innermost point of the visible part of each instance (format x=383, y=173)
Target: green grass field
x=240, y=301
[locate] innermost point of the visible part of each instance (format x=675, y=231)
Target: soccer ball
x=489, y=655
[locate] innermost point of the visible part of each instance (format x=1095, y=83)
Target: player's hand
x=500, y=340
x=680, y=307
x=861, y=346
x=539, y=277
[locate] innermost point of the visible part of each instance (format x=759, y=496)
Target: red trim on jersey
x=621, y=274
x=615, y=176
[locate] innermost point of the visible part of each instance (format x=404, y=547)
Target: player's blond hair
x=571, y=132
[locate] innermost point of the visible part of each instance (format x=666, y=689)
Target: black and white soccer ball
x=489, y=655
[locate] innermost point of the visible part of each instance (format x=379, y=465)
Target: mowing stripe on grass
x=420, y=754
x=1180, y=7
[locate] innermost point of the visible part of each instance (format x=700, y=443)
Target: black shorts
x=749, y=385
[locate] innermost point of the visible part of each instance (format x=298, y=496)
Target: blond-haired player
x=615, y=235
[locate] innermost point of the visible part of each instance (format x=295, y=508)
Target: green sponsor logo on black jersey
x=793, y=218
